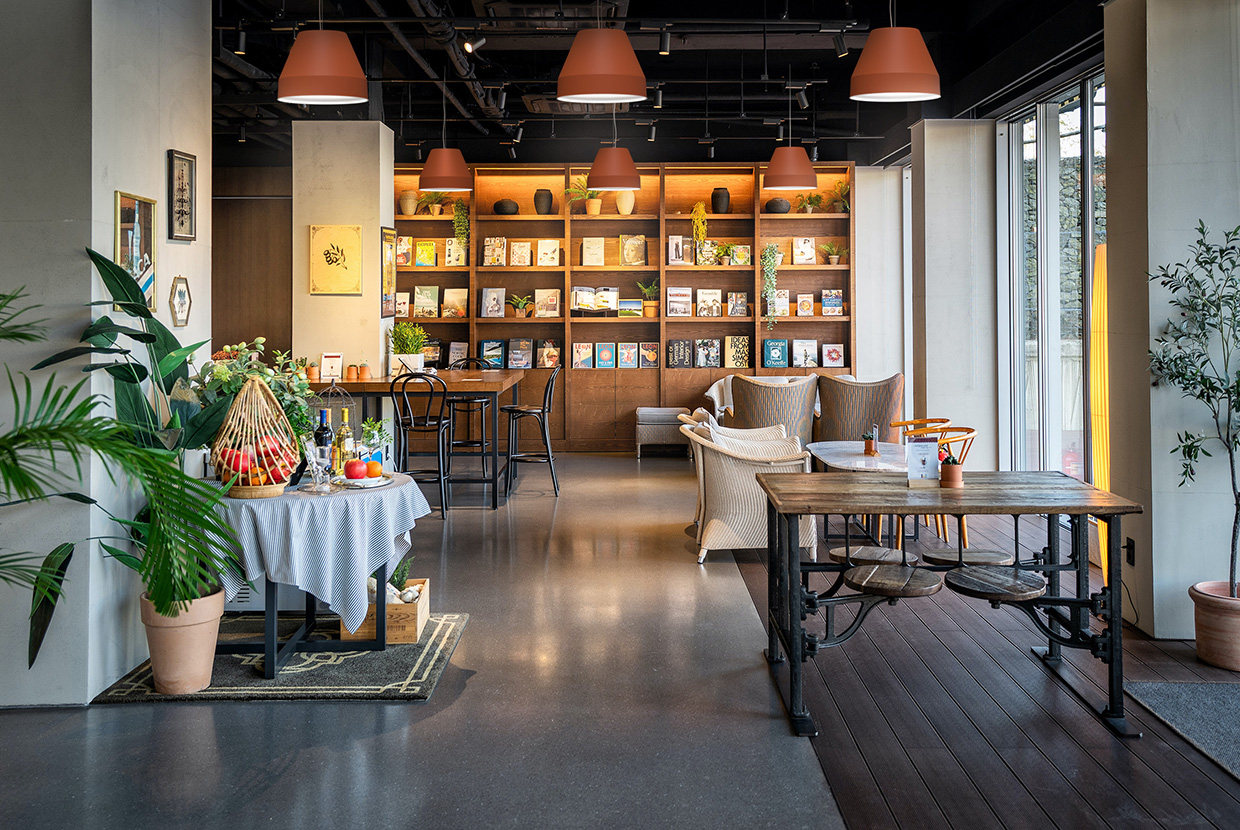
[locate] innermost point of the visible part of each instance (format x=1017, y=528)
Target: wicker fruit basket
x=256, y=445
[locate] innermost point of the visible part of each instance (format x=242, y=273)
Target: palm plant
x=579, y=191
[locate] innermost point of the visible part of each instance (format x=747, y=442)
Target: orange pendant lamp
x=613, y=169
x=895, y=66
x=322, y=68
x=601, y=68
x=790, y=169
x=445, y=170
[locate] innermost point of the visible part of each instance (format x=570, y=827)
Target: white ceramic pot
x=408, y=363
x=625, y=200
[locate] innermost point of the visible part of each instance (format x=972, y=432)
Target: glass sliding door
x=1028, y=408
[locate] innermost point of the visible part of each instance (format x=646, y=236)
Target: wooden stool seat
x=971, y=557
x=872, y=555
x=997, y=584
x=893, y=580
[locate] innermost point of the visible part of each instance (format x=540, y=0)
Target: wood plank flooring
x=936, y=714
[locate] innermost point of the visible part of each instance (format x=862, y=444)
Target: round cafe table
x=849, y=456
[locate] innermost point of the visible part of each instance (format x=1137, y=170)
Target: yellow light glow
x=1100, y=387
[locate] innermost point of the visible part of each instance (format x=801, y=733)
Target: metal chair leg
x=512, y=449
x=546, y=436
x=443, y=479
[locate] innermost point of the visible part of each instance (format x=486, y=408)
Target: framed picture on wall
x=387, y=304
x=135, y=241
x=180, y=301
x=336, y=259
x=182, y=195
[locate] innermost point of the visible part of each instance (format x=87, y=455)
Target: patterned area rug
x=1203, y=714
x=402, y=672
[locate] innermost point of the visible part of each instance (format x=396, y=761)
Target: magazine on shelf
x=775, y=354
x=736, y=351
x=833, y=355
x=679, y=301
x=431, y=353
x=832, y=302
x=546, y=302
x=632, y=249
x=707, y=353
x=738, y=304
x=520, y=353
x=548, y=353
x=402, y=303
x=704, y=253
x=805, y=305
x=592, y=251
x=494, y=251
x=583, y=355
x=454, y=253
x=520, y=254
x=709, y=302
x=675, y=250
x=606, y=299
x=648, y=355
x=457, y=350
x=426, y=301
x=424, y=255
x=493, y=302
x=626, y=355
x=582, y=298
x=779, y=308
x=803, y=251
x=492, y=351
x=404, y=251
x=680, y=354
x=741, y=255
x=455, y=302
x=549, y=252
x=604, y=355
x=630, y=308
x=805, y=354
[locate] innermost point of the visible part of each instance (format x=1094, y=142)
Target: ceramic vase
x=625, y=200
x=720, y=200
x=543, y=202
x=183, y=647
x=408, y=202
x=1216, y=617
x=506, y=207
x=777, y=205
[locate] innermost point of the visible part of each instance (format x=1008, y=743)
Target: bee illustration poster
x=336, y=259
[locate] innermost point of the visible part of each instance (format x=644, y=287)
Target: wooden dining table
x=1063, y=619
x=489, y=383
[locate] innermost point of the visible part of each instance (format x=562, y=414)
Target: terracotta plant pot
x=312, y=374
x=871, y=446
x=183, y=647
x=436, y=210
x=350, y=373
x=594, y=207
x=833, y=260
x=650, y=308
x=725, y=260
x=951, y=476
x=363, y=373
x=521, y=312
x=625, y=201
x=1216, y=617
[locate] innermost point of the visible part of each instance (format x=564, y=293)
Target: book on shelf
x=632, y=249
x=833, y=355
x=495, y=251
x=630, y=308
x=592, y=251
x=775, y=354
x=648, y=356
x=454, y=253
x=805, y=354
x=402, y=303
x=805, y=305
x=520, y=254
x=707, y=353
x=520, y=353
x=742, y=255
x=680, y=354
x=549, y=252
x=431, y=352
x=604, y=355
x=607, y=299
x=738, y=304
x=426, y=301
x=548, y=353
x=704, y=253
x=424, y=255
x=709, y=302
x=679, y=301
x=675, y=250
x=493, y=302
x=492, y=351
x=626, y=355
x=779, y=307
x=404, y=251
x=736, y=351
x=455, y=302
x=546, y=302
x=583, y=355
x=457, y=350
x=832, y=302
x=803, y=250
x=582, y=298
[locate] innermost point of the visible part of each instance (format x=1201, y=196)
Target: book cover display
x=803, y=251
x=675, y=250
x=738, y=304
x=402, y=303
x=549, y=252
x=606, y=299
x=546, y=302
x=495, y=251
x=832, y=302
x=520, y=353
x=582, y=298
x=707, y=353
x=455, y=302
x=626, y=355
x=833, y=355
x=521, y=254
x=775, y=354
x=709, y=302
x=457, y=350
x=583, y=355
x=704, y=253
x=604, y=355
x=426, y=301
x=632, y=249
x=630, y=308
x=680, y=354
x=741, y=255
x=404, y=251
x=493, y=302
x=548, y=354
x=736, y=351
x=454, y=253
x=424, y=255
x=805, y=354
x=679, y=301
x=805, y=305
x=592, y=251
x=648, y=356
x=780, y=306
x=492, y=351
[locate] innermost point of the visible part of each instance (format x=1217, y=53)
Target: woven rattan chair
x=850, y=408
x=758, y=404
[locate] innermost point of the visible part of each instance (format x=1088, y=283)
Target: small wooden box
x=404, y=622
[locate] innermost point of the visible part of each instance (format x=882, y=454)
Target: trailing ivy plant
x=460, y=222
x=770, y=275
x=1198, y=352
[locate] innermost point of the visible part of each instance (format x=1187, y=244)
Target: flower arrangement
x=222, y=377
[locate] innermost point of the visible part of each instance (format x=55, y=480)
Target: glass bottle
x=345, y=449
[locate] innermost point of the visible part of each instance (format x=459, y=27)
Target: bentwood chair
x=957, y=441
x=926, y=427
x=419, y=402
x=462, y=408
x=756, y=403
x=515, y=413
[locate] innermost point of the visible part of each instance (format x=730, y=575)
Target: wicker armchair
x=704, y=424
x=756, y=403
x=850, y=408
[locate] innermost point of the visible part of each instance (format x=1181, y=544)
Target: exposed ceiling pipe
x=245, y=71
x=404, y=43
x=439, y=27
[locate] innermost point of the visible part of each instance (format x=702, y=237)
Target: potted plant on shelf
x=833, y=252
x=430, y=201
x=951, y=471
x=363, y=370
x=312, y=371
x=1198, y=352
x=807, y=204
x=579, y=191
x=769, y=260
x=650, y=297
x=406, y=341
x=724, y=251
x=350, y=372
x=520, y=305
x=460, y=222
x=838, y=197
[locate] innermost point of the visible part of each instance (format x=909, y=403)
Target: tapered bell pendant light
x=445, y=170
x=790, y=167
x=895, y=66
x=322, y=68
x=613, y=169
x=601, y=69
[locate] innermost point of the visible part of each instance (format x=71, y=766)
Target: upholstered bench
x=659, y=425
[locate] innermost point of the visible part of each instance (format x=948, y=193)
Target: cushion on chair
x=758, y=404
x=759, y=434
x=777, y=448
x=851, y=408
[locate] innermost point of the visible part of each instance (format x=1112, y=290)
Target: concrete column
x=880, y=274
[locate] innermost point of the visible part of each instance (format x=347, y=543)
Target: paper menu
x=922, y=454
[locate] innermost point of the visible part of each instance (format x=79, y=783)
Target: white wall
x=880, y=274
x=954, y=280
x=343, y=174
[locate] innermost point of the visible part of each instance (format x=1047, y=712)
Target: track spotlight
x=516, y=139
x=841, y=48
x=240, y=50
x=651, y=136
x=472, y=46
x=802, y=100
x=512, y=152
x=813, y=156
x=710, y=152
x=665, y=42
x=241, y=135
x=502, y=100
x=658, y=98
x=779, y=136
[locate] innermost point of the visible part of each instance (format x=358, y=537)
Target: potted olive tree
x=406, y=340
x=1198, y=352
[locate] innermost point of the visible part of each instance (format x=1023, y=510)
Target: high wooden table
x=490, y=383
x=1063, y=619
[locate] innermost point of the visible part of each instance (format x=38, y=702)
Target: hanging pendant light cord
x=614, y=139
x=790, y=106
x=443, y=106
x=320, y=15
x=891, y=12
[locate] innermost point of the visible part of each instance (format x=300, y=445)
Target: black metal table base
x=276, y=655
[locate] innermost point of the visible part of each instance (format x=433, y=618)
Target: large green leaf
x=201, y=429
x=76, y=351
x=47, y=590
x=133, y=373
x=165, y=344
x=175, y=359
x=103, y=332
x=120, y=284
x=132, y=309
x=134, y=409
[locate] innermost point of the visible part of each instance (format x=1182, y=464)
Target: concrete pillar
x=880, y=273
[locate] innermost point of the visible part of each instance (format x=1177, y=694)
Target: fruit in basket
x=373, y=469
x=278, y=473
x=355, y=468
x=235, y=461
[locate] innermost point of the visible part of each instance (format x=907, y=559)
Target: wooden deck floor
x=937, y=715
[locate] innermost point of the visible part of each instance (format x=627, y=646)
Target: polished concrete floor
x=605, y=681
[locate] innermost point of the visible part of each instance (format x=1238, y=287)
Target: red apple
x=235, y=460
x=268, y=447
x=355, y=468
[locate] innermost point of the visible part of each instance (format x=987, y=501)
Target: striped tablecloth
x=325, y=545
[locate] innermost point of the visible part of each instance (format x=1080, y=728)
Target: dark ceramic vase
x=778, y=205
x=543, y=203
x=506, y=207
x=720, y=200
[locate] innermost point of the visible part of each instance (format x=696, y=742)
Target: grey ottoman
x=659, y=425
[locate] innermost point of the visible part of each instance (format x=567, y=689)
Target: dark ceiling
x=725, y=85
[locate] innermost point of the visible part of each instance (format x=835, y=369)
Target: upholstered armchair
x=756, y=403
x=850, y=408
x=704, y=424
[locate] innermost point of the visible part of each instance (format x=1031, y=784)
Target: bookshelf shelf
x=430, y=269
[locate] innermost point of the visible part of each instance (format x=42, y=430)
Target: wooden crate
x=404, y=622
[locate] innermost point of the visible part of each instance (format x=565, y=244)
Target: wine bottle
x=342, y=449
x=324, y=434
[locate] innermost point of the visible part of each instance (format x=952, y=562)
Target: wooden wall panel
x=252, y=271
x=634, y=388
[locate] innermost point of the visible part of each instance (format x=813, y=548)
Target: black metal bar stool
x=464, y=407
x=418, y=407
x=515, y=413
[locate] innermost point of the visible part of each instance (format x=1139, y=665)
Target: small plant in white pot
x=1198, y=352
x=407, y=340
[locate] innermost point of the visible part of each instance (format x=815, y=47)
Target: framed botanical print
x=387, y=307
x=135, y=241
x=180, y=301
x=336, y=259
x=182, y=195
